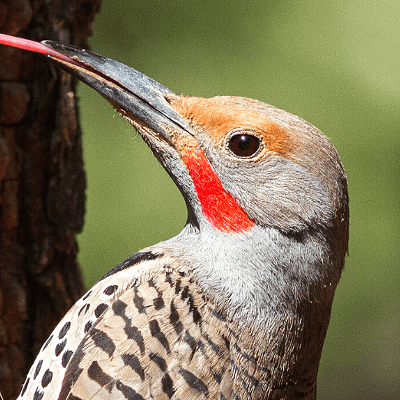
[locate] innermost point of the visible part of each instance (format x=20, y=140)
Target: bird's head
x=240, y=164
x=267, y=227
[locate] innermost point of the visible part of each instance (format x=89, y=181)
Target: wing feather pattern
x=153, y=342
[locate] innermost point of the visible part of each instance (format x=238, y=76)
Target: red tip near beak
x=35, y=47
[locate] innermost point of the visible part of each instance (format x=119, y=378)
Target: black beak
x=134, y=94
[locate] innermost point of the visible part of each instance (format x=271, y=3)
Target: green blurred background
x=336, y=64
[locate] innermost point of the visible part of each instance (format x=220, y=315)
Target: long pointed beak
x=134, y=94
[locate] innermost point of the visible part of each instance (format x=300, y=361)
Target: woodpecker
x=237, y=305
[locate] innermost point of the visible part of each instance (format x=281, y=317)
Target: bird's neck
x=281, y=360
x=276, y=293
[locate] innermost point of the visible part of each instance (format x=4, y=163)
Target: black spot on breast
x=103, y=341
x=60, y=347
x=37, y=370
x=167, y=385
x=128, y=392
x=109, y=290
x=47, y=342
x=194, y=382
x=86, y=295
x=132, y=361
x=88, y=325
x=66, y=357
x=64, y=330
x=47, y=377
x=156, y=332
x=100, y=309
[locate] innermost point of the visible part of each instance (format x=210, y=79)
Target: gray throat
x=257, y=275
x=276, y=291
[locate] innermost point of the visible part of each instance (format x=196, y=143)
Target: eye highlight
x=244, y=145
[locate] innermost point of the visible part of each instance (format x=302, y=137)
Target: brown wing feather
x=158, y=340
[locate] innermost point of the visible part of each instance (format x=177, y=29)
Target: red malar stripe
x=217, y=204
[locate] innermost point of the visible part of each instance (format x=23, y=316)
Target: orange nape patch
x=218, y=206
x=219, y=115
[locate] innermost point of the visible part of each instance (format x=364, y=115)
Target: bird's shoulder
x=143, y=331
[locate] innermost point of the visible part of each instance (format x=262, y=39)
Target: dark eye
x=244, y=145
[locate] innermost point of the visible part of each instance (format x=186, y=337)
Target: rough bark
x=41, y=181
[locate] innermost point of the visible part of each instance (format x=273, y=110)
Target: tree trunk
x=41, y=182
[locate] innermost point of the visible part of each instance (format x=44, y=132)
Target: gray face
x=293, y=182
x=293, y=188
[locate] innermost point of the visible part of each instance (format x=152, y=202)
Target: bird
x=237, y=305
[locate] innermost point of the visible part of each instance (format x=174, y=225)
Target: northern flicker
x=237, y=305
